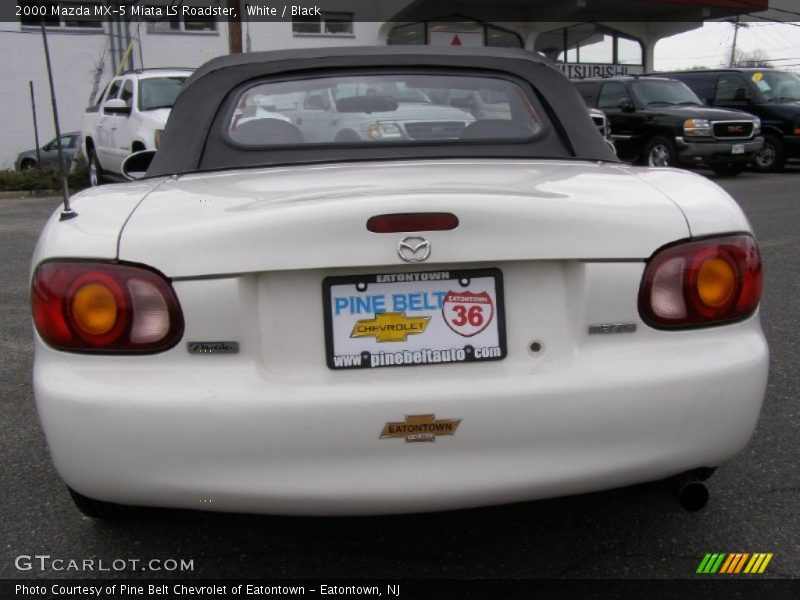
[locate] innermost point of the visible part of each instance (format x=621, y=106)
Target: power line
x=756, y=34
x=765, y=20
x=779, y=31
x=720, y=46
x=761, y=6
x=765, y=47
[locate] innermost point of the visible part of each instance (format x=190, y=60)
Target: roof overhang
x=580, y=10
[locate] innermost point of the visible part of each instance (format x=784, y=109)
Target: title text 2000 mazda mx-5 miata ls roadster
x=363, y=300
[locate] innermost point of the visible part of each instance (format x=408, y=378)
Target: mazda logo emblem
x=414, y=249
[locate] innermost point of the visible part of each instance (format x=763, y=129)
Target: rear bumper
x=715, y=151
x=639, y=407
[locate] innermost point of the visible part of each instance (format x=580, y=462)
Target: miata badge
x=420, y=428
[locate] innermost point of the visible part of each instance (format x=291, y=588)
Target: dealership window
x=328, y=24
x=502, y=38
x=454, y=31
x=170, y=24
x=181, y=24
x=629, y=51
x=411, y=34
x=200, y=23
x=33, y=11
x=589, y=43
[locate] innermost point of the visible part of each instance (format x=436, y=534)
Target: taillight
x=705, y=282
x=105, y=307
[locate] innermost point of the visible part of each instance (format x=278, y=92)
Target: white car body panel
x=708, y=208
x=272, y=429
x=509, y=210
x=96, y=233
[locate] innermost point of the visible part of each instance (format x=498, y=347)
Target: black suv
x=661, y=122
x=772, y=95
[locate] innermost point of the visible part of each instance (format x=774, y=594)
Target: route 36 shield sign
x=467, y=313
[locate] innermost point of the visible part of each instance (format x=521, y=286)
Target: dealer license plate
x=737, y=149
x=412, y=319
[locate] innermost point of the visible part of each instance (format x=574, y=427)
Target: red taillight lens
x=406, y=222
x=699, y=283
x=105, y=307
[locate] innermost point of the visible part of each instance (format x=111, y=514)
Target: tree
x=753, y=58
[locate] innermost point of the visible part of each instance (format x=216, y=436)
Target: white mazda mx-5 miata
x=441, y=311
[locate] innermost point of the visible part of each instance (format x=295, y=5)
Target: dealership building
x=586, y=38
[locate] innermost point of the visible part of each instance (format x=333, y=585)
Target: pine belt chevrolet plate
x=412, y=319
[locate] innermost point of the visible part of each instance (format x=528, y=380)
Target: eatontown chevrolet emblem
x=420, y=428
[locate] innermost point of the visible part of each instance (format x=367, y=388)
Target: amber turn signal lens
x=94, y=309
x=83, y=306
x=697, y=283
x=716, y=283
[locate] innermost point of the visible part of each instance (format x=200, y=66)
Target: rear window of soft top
x=395, y=108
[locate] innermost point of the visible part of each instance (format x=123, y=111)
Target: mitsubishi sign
x=587, y=70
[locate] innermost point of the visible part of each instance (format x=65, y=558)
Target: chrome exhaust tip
x=691, y=493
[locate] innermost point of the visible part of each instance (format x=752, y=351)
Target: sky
x=710, y=46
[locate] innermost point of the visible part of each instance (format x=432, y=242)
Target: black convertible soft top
x=194, y=140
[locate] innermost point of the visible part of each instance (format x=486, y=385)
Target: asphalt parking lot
x=634, y=532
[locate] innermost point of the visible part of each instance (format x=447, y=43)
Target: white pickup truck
x=129, y=116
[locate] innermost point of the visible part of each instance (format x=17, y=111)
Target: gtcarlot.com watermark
x=48, y=563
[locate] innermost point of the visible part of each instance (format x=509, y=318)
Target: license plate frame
x=452, y=344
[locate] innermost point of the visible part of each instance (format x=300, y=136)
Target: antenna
x=67, y=213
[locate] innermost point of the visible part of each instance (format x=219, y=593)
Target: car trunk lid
x=312, y=217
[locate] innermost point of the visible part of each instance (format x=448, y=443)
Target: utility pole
x=235, y=27
x=736, y=25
